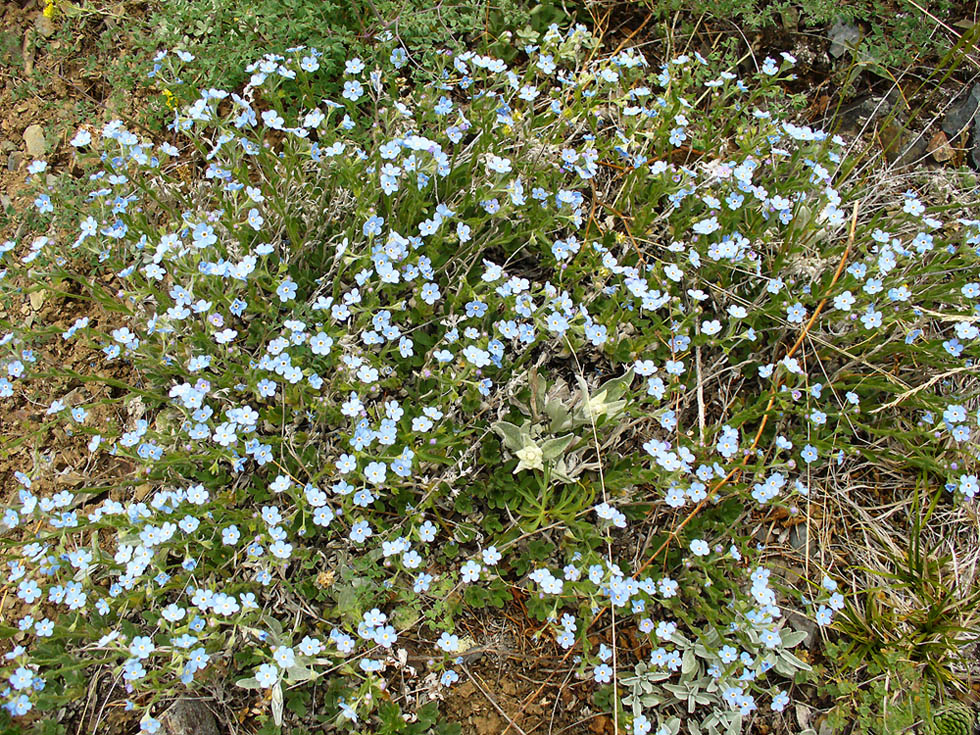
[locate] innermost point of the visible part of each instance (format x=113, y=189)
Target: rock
x=843, y=37
x=914, y=151
x=7, y=145
x=961, y=114
x=14, y=160
x=43, y=25
x=891, y=136
x=803, y=716
x=975, y=153
x=939, y=147
x=189, y=717
x=10, y=45
x=799, y=539
x=863, y=114
x=902, y=148
x=34, y=138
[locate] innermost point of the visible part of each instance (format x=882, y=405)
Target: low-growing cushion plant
x=373, y=361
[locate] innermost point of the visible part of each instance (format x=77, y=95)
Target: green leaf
x=276, y=703
x=688, y=663
x=476, y=597
x=554, y=448
x=787, y=664
x=792, y=638
x=558, y=414
x=298, y=673
x=734, y=724
x=616, y=387
x=296, y=702
x=510, y=434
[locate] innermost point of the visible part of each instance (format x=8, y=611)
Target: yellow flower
x=48, y=11
x=171, y=100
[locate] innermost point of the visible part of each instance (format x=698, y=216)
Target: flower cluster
x=324, y=319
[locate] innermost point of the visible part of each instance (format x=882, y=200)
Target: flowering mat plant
x=561, y=330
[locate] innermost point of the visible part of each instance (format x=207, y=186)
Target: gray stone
x=43, y=25
x=14, y=161
x=962, y=113
x=863, y=114
x=34, y=138
x=844, y=36
x=975, y=153
x=799, y=538
x=189, y=717
x=912, y=150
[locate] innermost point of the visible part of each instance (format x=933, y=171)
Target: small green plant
x=923, y=612
x=686, y=676
x=891, y=695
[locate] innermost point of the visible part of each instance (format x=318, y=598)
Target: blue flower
x=602, y=673
x=422, y=583
x=266, y=675
x=286, y=291
x=353, y=90
x=449, y=677
x=779, y=701
x=398, y=58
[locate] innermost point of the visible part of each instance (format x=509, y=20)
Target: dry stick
x=629, y=38
x=491, y=700
x=928, y=384
x=602, y=483
x=737, y=468
x=629, y=233
x=588, y=226
x=697, y=363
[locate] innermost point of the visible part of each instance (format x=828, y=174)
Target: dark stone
x=962, y=113
x=912, y=151
x=975, y=153
x=862, y=115
x=189, y=717
x=799, y=539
